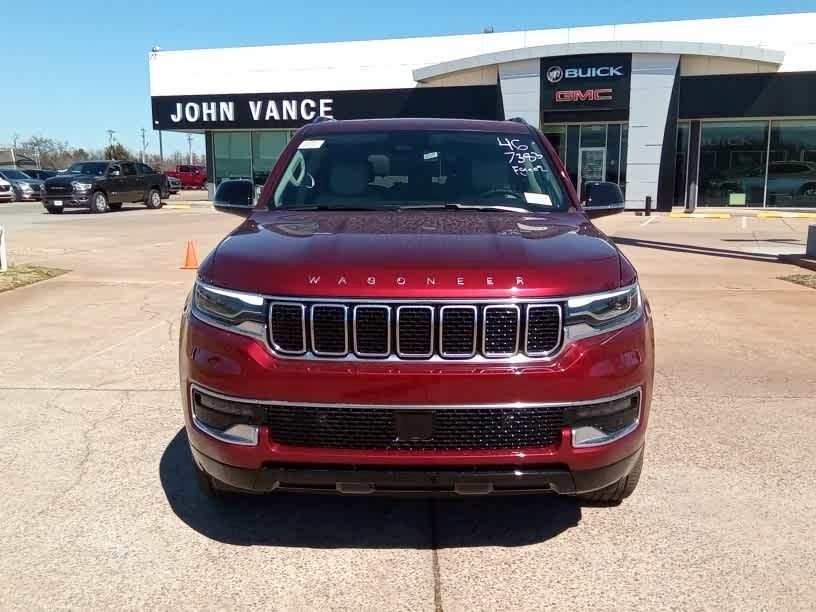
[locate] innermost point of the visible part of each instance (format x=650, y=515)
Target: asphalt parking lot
x=99, y=508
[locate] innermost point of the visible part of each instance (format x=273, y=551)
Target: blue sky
x=77, y=69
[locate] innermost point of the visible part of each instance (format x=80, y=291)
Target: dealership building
x=708, y=113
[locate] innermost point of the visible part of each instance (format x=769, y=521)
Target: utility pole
x=190, y=147
x=110, y=142
x=144, y=145
x=161, y=152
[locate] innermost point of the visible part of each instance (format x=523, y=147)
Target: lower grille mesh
x=453, y=428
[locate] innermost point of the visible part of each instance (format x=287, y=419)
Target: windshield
x=420, y=168
x=15, y=175
x=96, y=168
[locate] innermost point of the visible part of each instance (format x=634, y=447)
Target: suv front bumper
x=587, y=370
x=395, y=480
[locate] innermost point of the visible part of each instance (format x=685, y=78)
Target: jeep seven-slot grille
x=415, y=331
x=483, y=428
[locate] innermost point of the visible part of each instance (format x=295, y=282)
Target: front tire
x=615, y=493
x=99, y=202
x=153, y=199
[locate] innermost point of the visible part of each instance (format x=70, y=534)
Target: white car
x=6, y=192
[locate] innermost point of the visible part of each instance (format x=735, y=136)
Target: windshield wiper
x=322, y=207
x=463, y=206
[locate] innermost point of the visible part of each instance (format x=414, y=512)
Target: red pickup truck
x=191, y=177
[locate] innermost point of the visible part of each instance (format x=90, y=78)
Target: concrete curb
x=803, y=261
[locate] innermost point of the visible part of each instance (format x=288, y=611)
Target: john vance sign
x=294, y=109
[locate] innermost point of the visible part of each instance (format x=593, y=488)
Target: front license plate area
x=412, y=426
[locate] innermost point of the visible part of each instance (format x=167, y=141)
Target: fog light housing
x=601, y=423
x=227, y=420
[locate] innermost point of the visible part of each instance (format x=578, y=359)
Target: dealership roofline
x=749, y=53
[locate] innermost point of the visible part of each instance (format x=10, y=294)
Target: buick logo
x=555, y=74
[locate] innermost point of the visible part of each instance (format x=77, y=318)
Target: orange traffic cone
x=190, y=260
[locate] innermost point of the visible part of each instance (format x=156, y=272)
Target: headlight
x=24, y=186
x=589, y=315
x=242, y=313
x=81, y=186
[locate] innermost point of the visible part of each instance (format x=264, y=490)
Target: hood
x=67, y=179
x=412, y=254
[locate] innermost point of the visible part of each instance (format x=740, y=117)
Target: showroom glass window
x=557, y=135
x=681, y=163
x=266, y=148
x=792, y=165
x=248, y=155
x=233, y=155
x=732, y=163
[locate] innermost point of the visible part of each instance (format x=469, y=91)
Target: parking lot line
x=786, y=215
x=679, y=215
x=648, y=221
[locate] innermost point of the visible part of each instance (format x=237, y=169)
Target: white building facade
x=716, y=112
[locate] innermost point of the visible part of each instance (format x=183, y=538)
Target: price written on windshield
x=521, y=159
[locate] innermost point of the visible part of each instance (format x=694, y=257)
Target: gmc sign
x=581, y=95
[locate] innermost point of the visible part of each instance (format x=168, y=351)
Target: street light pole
x=110, y=142
x=190, y=148
x=144, y=145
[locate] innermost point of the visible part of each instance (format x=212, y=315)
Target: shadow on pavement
x=692, y=249
x=316, y=521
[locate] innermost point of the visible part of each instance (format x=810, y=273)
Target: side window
x=146, y=169
x=114, y=170
x=128, y=170
x=184, y=169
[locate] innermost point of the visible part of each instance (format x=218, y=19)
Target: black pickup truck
x=101, y=186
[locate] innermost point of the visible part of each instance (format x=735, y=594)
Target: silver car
x=23, y=186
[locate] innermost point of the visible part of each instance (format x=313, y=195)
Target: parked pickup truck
x=191, y=177
x=101, y=186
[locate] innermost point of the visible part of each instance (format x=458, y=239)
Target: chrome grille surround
x=409, y=330
x=415, y=355
x=341, y=308
x=355, y=335
x=485, y=321
x=528, y=311
x=463, y=335
x=277, y=347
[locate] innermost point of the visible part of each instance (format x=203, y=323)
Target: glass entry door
x=591, y=167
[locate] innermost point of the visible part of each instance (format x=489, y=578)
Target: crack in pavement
x=437, y=574
x=83, y=466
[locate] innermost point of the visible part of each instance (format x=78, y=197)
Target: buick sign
x=555, y=74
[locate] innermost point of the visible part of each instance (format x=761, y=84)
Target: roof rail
x=321, y=119
x=519, y=120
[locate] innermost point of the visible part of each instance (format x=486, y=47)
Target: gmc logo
x=581, y=95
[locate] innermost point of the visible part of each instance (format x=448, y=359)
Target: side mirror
x=236, y=197
x=603, y=199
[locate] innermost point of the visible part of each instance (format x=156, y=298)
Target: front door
x=133, y=183
x=591, y=167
